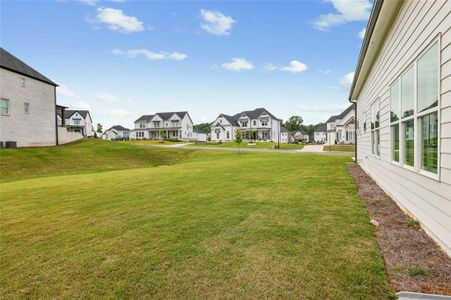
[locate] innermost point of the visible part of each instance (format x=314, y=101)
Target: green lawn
x=84, y=156
x=213, y=224
x=344, y=148
x=258, y=145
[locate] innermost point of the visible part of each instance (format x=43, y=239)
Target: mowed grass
x=258, y=145
x=216, y=225
x=89, y=155
x=343, y=148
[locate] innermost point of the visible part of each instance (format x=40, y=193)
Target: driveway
x=313, y=148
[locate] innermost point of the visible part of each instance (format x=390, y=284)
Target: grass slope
x=220, y=225
x=83, y=156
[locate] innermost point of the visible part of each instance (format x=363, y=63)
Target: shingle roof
x=70, y=112
x=12, y=63
x=118, y=127
x=164, y=115
x=283, y=129
x=144, y=118
x=253, y=114
x=321, y=128
x=342, y=115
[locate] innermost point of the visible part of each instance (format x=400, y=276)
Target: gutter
x=366, y=42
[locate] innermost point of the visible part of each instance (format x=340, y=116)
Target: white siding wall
x=187, y=128
x=417, y=25
x=37, y=128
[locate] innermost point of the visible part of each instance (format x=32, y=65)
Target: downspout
x=356, y=127
x=56, y=118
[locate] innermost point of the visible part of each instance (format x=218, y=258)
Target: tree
x=251, y=135
x=204, y=127
x=99, y=128
x=162, y=134
x=238, y=138
x=293, y=123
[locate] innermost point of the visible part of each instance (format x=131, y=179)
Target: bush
x=418, y=271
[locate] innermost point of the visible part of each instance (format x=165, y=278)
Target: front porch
x=257, y=134
x=161, y=134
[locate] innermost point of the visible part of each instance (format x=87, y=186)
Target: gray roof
x=342, y=115
x=253, y=114
x=12, y=63
x=283, y=129
x=70, y=112
x=321, y=128
x=118, y=127
x=164, y=115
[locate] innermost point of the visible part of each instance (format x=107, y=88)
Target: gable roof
x=252, y=114
x=118, y=127
x=342, y=115
x=283, y=129
x=69, y=112
x=164, y=115
x=321, y=128
x=12, y=63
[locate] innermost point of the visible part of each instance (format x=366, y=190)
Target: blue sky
x=121, y=59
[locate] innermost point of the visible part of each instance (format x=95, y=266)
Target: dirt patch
x=413, y=261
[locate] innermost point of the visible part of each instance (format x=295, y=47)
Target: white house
x=320, y=134
x=116, y=132
x=300, y=136
x=164, y=125
x=258, y=124
x=28, y=104
x=402, y=89
x=199, y=135
x=341, y=128
x=285, y=135
x=77, y=121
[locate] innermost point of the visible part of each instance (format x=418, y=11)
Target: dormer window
x=244, y=123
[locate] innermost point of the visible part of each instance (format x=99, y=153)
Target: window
x=217, y=134
x=409, y=110
x=244, y=123
x=228, y=135
x=255, y=122
x=5, y=107
x=142, y=125
x=26, y=107
x=22, y=84
x=77, y=121
x=264, y=122
x=375, y=136
x=156, y=124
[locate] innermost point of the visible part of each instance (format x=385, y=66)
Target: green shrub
x=418, y=271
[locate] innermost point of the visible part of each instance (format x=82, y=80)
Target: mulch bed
x=413, y=261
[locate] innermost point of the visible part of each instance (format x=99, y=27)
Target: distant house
x=77, y=121
x=199, y=135
x=28, y=104
x=285, y=135
x=320, y=134
x=116, y=132
x=259, y=124
x=402, y=89
x=164, y=125
x=341, y=128
x=300, y=136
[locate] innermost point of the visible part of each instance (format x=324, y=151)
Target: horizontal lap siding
x=417, y=25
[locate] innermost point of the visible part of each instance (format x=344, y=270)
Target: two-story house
x=28, y=105
x=320, y=134
x=164, y=125
x=341, y=128
x=77, y=121
x=258, y=124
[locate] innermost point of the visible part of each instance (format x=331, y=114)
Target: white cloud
x=119, y=113
x=347, y=11
x=216, y=23
x=107, y=97
x=295, y=66
x=238, y=64
x=82, y=105
x=346, y=80
x=362, y=33
x=64, y=91
x=117, y=21
x=162, y=55
x=94, y=2
x=328, y=108
x=326, y=71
